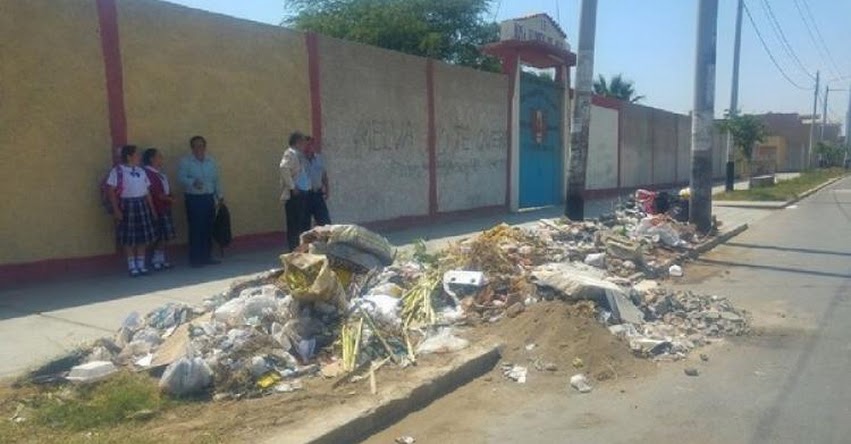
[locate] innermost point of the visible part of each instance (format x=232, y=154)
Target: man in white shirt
x=295, y=184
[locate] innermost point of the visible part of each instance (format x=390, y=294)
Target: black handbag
x=221, y=228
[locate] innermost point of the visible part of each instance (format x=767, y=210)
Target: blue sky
x=652, y=43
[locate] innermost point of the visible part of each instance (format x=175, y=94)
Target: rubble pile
x=345, y=305
x=676, y=322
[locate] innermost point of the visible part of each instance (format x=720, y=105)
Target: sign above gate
x=534, y=28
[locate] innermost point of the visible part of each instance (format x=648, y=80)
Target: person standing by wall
x=161, y=195
x=199, y=175
x=295, y=184
x=317, y=209
x=132, y=209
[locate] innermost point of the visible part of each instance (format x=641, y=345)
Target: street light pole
x=734, y=98
x=703, y=117
x=581, y=127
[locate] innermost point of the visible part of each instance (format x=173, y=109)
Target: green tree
x=618, y=88
x=831, y=155
x=448, y=30
x=746, y=130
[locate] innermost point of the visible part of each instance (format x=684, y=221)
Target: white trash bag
x=186, y=376
x=442, y=342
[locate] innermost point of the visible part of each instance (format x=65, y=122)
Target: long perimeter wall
x=407, y=139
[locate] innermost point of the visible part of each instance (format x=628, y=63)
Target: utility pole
x=580, y=128
x=703, y=117
x=809, y=161
x=848, y=123
x=734, y=99
x=824, y=112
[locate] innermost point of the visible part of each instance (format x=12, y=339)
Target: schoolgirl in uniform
x=162, y=199
x=133, y=209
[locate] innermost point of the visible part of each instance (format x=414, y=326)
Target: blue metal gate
x=541, y=146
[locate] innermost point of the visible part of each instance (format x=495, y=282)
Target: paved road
x=790, y=383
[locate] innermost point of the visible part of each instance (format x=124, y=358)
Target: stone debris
x=580, y=383
x=515, y=373
x=691, y=372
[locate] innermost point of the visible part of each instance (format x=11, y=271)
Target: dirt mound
x=562, y=339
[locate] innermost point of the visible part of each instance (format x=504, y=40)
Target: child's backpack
x=105, y=198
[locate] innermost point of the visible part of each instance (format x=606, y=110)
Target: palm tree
x=617, y=88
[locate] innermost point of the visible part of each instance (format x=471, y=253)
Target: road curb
x=357, y=424
x=719, y=239
x=814, y=190
x=762, y=205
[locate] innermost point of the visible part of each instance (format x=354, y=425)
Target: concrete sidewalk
x=38, y=322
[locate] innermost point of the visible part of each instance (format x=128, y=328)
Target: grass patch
x=786, y=189
x=104, y=412
x=106, y=404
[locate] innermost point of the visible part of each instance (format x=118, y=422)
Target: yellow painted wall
x=242, y=85
x=54, y=131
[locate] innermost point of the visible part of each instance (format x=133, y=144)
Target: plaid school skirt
x=137, y=226
x=165, y=226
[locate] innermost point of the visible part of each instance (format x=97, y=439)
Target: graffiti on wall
x=460, y=138
x=374, y=135
x=464, y=150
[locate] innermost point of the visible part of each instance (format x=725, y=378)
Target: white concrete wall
x=602, y=170
x=471, y=111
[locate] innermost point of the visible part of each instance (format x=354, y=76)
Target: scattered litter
x=578, y=363
x=91, y=371
x=596, y=260
x=580, y=383
x=289, y=387
x=405, y=440
x=515, y=373
x=530, y=347
x=675, y=271
x=442, y=342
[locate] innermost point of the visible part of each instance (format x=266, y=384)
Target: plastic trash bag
x=310, y=278
x=384, y=309
x=250, y=306
x=186, y=376
x=654, y=228
x=442, y=342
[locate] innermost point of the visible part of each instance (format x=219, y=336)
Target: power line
x=813, y=39
x=821, y=38
x=768, y=51
x=778, y=30
x=496, y=12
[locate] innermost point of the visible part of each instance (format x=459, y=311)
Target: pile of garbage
x=677, y=322
x=345, y=305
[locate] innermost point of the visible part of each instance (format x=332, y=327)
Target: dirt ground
x=561, y=334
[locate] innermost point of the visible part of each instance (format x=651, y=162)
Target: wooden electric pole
x=703, y=117
x=580, y=128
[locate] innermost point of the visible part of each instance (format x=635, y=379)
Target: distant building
x=788, y=138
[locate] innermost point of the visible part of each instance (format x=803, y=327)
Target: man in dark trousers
x=199, y=175
x=317, y=209
x=295, y=184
